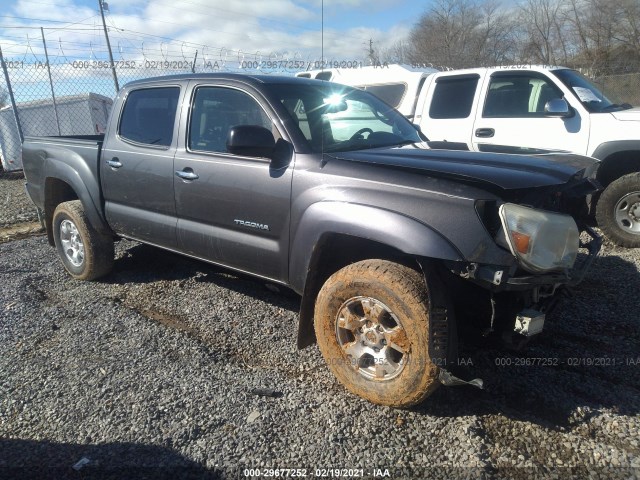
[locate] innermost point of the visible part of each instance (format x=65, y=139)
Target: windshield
x=588, y=94
x=335, y=118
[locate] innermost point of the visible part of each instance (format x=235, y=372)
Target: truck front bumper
x=500, y=279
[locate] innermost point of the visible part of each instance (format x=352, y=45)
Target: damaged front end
x=552, y=247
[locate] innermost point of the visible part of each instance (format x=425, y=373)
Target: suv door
x=513, y=115
x=137, y=166
x=452, y=104
x=232, y=210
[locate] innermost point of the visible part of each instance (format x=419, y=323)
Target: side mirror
x=558, y=107
x=250, y=141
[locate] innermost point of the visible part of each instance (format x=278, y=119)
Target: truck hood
x=632, y=114
x=505, y=171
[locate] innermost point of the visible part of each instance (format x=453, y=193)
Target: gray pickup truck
x=396, y=248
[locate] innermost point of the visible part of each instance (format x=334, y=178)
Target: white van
x=397, y=85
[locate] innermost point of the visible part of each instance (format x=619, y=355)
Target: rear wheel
x=85, y=253
x=618, y=211
x=372, y=325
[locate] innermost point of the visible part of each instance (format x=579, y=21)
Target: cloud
x=261, y=28
x=369, y=4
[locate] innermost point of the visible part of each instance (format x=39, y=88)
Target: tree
x=545, y=31
x=592, y=24
x=398, y=52
x=605, y=34
x=462, y=33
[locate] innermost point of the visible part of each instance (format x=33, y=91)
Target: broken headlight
x=540, y=240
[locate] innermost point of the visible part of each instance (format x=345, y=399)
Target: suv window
x=217, y=109
x=518, y=95
x=148, y=116
x=453, y=97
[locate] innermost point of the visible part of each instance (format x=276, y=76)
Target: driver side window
x=517, y=96
x=216, y=110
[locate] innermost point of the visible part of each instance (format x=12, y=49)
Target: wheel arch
x=617, y=159
x=356, y=233
x=64, y=183
x=56, y=191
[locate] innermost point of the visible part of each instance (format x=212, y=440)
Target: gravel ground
x=15, y=206
x=149, y=374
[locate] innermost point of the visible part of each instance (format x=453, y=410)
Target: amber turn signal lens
x=541, y=240
x=521, y=241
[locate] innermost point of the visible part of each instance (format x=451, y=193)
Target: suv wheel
x=85, y=253
x=372, y=325
x=618, y=211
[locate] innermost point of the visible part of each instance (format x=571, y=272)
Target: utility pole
x=106, y=35
x=372, y=53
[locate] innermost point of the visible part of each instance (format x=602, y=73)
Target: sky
x=247, y=29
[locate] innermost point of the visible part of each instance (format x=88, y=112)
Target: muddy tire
x=85, y=253
x=618, y=211
x=372, y=325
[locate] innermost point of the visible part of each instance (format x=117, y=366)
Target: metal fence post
x=53, y=95
x=11, y=97
x=106, y=36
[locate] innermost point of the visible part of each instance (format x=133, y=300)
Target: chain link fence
x=45, y=92
x=623, y=88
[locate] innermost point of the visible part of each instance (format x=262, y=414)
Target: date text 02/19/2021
x=316, y=472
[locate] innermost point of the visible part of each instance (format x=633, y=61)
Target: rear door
x=232, y=210
x=137, y=166
x=512, y=115
x=451, y=103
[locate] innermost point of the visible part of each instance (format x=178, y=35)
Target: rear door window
x=453, y=97
x=149, y=115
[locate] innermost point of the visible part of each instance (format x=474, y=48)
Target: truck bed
x=46, y=155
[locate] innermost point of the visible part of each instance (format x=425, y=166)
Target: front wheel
x=372, y=325
x=618, y=211
x=85, y=253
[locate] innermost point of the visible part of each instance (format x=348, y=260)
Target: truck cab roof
x=505, y=68
x=240, y=77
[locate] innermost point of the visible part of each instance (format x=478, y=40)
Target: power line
x=41, y=3
x=238, y=13
x=121, y=30
x=34, y=19
x=17, y=27
x=79, y=22
x=125, y=35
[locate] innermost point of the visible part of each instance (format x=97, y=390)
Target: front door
x=232, y=210
x=513, y=115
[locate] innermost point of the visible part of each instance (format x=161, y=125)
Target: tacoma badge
x=259, y=226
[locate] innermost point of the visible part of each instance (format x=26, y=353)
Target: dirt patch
x=20, y=231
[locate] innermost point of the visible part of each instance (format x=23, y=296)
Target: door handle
x=114, y=162
x=485, y=132
x=187, y=174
